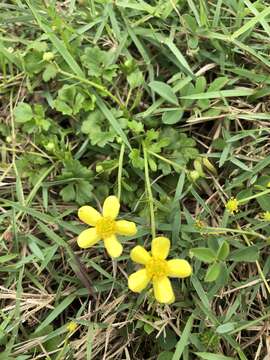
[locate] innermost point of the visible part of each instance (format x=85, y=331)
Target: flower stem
x=120, y=170
x=267, y=191
x=149, y=192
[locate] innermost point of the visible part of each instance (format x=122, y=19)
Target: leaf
x=220, y=94
x=223, y=251
x=49, y=73
x=218, y=84
x=225, y=328
x=172, y=117
x=23, y=113
x=135, y=79
x=203, y=254
x=248, y=254
x=210, y=356
x=184, y=340
x=165, y=355
x=264, y=202
x=68, y=193
x=213, y=272
x=56, y=312
x=164, y=90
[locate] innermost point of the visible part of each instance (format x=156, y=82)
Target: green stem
x=120, y=170
x=172, y=163
x=149, y=192
x=95, y=85
x=219, y=230
x=267, y=191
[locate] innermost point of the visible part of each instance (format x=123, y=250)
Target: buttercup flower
x=71, y=326
x=232, y=205
x=157, y=270
x=105, y=227
x=266, y=216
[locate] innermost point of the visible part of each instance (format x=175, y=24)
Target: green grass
x=166, y=105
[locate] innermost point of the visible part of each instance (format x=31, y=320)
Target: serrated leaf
x=164, y=90
x=49, y=73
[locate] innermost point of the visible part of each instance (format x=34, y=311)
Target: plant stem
x=149, y=192
x=267, y=191
x=120, y=170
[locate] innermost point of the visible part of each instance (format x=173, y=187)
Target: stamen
x=106, y=227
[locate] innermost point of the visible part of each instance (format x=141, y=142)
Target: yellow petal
x=113, y=246
x=124, y=227
x=140, y=255
x=89, y=215
x=111, y=207
x=163, y=290
x=160, y=247
x=87, y=238
x=179, y=268
x=138, y=280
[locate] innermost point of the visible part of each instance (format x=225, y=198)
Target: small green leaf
x=164, y=90
x=213, y=272
x=210, y=356
x=23, y=113
x=223, y=251
x=172, y=117
x=165, y=355
x=248, y=254
x=49, y=72
x=225, y=328
x=203, y=254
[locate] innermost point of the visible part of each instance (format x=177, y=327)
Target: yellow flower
x=105, y=227
x=232, y=205
x=157, y=270
x=48, y=56
x=266, y=216
x=72, y=326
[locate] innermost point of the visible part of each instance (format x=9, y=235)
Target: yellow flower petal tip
x=232, y=206
x=87, y=238
x=139, y=255
x=157, y=270
x=111, y=207
x=160, y=247
x=124, y=227
x=89, y=215
x=105, y=226
x=179, y=268
x=138, y=280
x=113, y=246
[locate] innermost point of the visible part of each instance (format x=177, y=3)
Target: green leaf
x=223, y=251
x=184, y=340
x=164, y=90
x=264, y=202
x=225, y=328
x=210, y=356
x=218, y=84
x=167, y=341
x=203, y=254
x=165, y=355
x=68, y=193
x=248, y=254
x=59, y=309
x=135, y=79
x=172, y=117
x=213, y=272
x=220, y=94
x=23, y=113
x=49, y=73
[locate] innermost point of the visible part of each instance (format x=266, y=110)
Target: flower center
x=157, y=268
x=105, y=227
